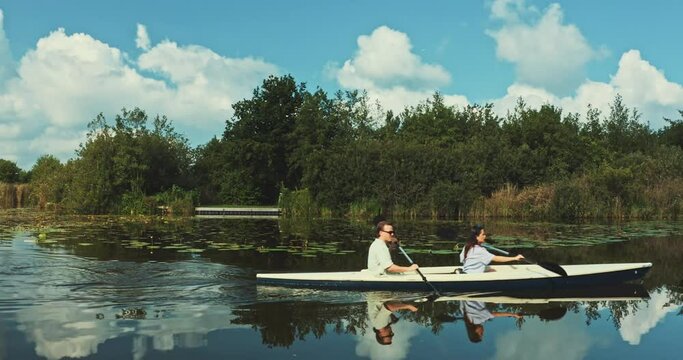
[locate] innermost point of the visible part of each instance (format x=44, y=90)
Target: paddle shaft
x=419, y=272
x=546, y=265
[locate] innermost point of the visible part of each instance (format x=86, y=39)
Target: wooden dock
x=237, y=212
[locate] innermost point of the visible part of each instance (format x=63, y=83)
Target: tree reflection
x=281, y=324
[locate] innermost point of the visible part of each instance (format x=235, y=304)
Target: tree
x=623, y=130
x=126, y=158
x=47, y=181
x=672, y=134
x=259, y=136
x=9, y=172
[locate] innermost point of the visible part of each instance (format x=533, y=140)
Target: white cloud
x=571, y=337
x=640, y=322
x=206, y=84
x=142, y=40
x=368, y=347
x=6, y=61
x=640, y=82
x=510, y=10
x=547, y=53
x=67, y=79
x=386, y=67
x=66, y=329
x=641, y=85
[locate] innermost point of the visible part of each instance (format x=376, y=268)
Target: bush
x=567, y=201
x=178, y=201
x=297, y=203
x=136, y=203
x=364, y=209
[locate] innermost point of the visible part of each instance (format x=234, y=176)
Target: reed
x=7, y=196
x=14, y=195
x=297, y=203
x=364, y=209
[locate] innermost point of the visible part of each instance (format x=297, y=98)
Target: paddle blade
x=557, y=269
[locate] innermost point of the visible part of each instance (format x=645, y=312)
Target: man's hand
x=413, y=267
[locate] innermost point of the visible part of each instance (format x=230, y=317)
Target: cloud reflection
x=368, y=347
x=639, y=323
x=63, y=329
x=573, y=340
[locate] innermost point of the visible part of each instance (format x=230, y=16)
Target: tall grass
x=297, y=203
x=14, y=195
x=364, y=209
x=583, y=198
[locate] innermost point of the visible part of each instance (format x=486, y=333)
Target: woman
x=475, y=258
x=476, y=314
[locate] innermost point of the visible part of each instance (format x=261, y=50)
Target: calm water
x=115, y=288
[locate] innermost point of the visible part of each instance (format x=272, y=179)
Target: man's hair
x=380, y=339
x=382, y=224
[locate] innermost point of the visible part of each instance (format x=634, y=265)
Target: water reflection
x=103, y=288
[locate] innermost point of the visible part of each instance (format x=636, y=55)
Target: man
x=381, y=317
x=379, y=259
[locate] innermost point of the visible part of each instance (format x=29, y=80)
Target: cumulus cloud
x=570, y=336
x=368, y=347
x=67, y=79
x=387, y=68
x=6, y=61
x=142, y=40
x=546, y=53
x=641, y=85
x=639, y=323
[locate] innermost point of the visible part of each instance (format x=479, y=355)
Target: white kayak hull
x=444, y=278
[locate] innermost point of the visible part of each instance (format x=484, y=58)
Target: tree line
x=316, y=153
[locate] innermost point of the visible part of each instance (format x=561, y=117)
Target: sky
x=64, y=62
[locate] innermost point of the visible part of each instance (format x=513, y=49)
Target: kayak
x=448, y=278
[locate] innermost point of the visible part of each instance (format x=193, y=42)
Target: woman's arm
x=507, y=314
x=503, y=259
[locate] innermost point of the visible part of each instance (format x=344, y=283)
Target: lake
x=150, y=288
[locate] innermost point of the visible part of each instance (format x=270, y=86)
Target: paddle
x=557, y=269
x=436, y=292
x=549, y=314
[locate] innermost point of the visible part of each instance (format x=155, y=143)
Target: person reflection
x=381, y=317
x=475, y=315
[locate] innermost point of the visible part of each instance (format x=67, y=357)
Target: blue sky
x=63, y=62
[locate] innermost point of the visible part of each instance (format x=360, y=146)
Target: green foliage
x=177, y=201
x=258, y=139
x=126, y=158
x=672, y=134
x=450, y=200
x=364, y=209
x=568, y=201
x=135, y=202
x=297, y=203
x=10, y=172
x=348, y=156
x=48, y=181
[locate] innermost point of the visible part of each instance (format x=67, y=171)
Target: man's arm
x=400, y=269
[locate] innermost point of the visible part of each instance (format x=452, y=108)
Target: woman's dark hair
x=472, y=240
x=472, y=333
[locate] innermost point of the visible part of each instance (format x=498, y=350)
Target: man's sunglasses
x=388, y=232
